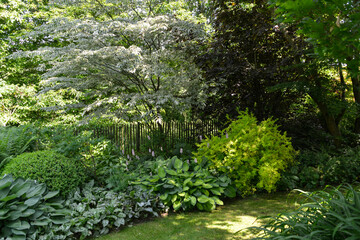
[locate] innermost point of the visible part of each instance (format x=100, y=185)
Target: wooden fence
x=154, y=136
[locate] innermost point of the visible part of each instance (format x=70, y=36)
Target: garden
x=226, y=119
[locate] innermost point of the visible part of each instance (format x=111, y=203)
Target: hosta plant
x=96, y=210
x=252, y=154
x=182, y=186
x=27, y=209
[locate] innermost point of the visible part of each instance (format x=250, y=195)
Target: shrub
x=330, y=215
x=27, y=209
x=317, y=168
x=251, y=154
x=49, y=167
x=96, y=210
x=182, y=187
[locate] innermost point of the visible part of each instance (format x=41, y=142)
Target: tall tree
x=332, y=28
x=127, y=57
x=246, y=59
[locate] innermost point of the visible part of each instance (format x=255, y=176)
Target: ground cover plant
x=28, y=210
x=184, y=185
x=95, y=210
x=330, y=214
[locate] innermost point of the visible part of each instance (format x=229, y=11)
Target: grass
x=226, y=222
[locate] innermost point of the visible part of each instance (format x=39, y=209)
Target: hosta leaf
x=188, y=180
x=218, y=201
x=182, y=194
x=18, y=232
x=230, y=192
x=59, y=220
x=3, y=212
x=161, y=172
x=9, y=198
x=43, y=222
x=4, y=193
x=14, y=215
x=51, y=195
x=28, y=212
x=119, y=222
x=164, y=196
x=215, y=192
x=206, y=185
x=171, y=181
x=19, y=225
x=203, y=199
x=21, y=191
x=198, y=182
x=193, y=200
x=178, y=164
x=171, y=172
x=5, y=182
x=185, y=167
x=38, y=189
x=177, y=205
x=32, y=201
x=18, y=237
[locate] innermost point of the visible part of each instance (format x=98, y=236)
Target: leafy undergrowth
x=226, y=222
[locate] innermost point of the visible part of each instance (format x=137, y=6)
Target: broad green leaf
x=171, y=172
x=178, y=164
x=198, y=182
x=14, y=215
x=218, y=201
x=185, y=167
x=9, y=198
x=36, y=190
x=215, y=192
x=51, y=195
x=177, y=205
x=5, y=182
x=19, y=225
x=206, y=185
x=4, y=193
x=32, y=201
x=43, y=222
x=230, y=192
x=164, y=196
x=203, y=199
x=3, y=212
x=161, y=172
x=193, y=200
x=28, y=212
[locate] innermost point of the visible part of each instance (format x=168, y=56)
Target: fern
x=14, y=141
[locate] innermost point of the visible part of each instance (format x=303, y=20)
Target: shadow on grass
x=227, y=222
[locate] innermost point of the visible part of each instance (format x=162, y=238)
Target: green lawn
x=227, y=222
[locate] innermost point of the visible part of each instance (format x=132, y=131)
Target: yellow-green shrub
x=253, y=155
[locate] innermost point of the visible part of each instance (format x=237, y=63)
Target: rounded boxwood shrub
x=252, y=154
x=55, y=170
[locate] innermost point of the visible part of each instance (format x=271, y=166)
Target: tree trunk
x=354, y=74
x=330, y=121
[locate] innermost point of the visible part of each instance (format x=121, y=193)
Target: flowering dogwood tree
x=137, y=61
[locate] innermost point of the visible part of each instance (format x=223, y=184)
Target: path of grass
x=227, y=222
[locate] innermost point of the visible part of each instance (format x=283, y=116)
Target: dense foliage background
x=280, y=78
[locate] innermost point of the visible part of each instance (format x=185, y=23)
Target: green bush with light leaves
x=55, y=170
x=185, y=185
x=27, y=209
x=252, y=154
